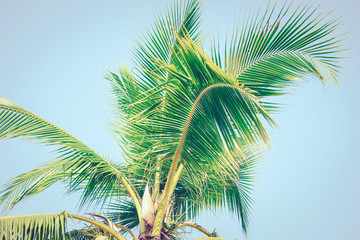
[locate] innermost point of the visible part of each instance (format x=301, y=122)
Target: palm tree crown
x=191, y=125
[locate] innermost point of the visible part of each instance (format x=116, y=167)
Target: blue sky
x=53, y=55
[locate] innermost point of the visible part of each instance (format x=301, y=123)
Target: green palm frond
x=88, y=233
x=31, y=183
x=271, y=52
x=144, y=87
x=36, y=226
x=74, y=161
x=19, y=122
x=195, y=193
x=82, y=234
x=123, y=212
x=182, y=18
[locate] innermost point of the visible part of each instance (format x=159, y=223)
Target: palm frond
x=31, y=183
x=88, y=233
x=272, y=52
x=74, y=161
x=196, y=193
x=16, y=121
x=181, y=18
x=82, y=234
x=146, y=87
x=123, y=211
x=35, y=226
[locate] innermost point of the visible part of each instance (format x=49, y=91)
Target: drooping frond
x=34, y=227
x=19, y=122
x=30, y=183
x=74, y=160
x=196, y=193
x=271, y=52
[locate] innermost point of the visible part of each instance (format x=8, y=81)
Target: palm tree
x=191, y=126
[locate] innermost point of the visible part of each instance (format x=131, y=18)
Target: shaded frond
x=123, y=212
x=196, y=193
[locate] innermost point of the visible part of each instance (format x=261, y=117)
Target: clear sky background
x=53, y=55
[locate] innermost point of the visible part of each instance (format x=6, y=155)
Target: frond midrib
x=265, y=57
x=31, y=115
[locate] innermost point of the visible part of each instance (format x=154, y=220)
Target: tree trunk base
x=145, y=236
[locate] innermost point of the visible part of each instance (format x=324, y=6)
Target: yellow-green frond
x=34, y=227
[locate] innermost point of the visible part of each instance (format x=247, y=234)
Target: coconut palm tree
x=191, y=126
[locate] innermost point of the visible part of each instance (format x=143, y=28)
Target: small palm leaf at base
x=36, y=226
x=51, y=226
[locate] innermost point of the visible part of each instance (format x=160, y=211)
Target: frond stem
x=104, y=227
x=127, y=230
x=275, y=54
x=156, y=184
x=193, y=225
x=129, y=187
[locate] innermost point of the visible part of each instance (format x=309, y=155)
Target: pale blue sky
x=52, y=59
